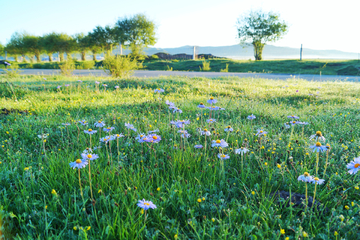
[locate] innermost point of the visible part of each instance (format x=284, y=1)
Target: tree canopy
x=258, y=28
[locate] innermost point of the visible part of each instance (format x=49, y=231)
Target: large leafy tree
x=137, y=32
x=82, y=44
x=33, y=45
x=59, y=42
x=16, y=46
x=258, y=28
x=103, y=37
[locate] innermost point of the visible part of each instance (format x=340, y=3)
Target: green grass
x=236, y=201
x=326, y=67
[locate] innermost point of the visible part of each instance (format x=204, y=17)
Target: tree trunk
x=24, y=58
x=258, y=49
x=16, y=58
x=61, y=56
x=37, y=55
x=120, y=49
x=50, y=57
x=83, y=55
x=94, y=56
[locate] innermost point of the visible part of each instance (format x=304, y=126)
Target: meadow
x=72, y=165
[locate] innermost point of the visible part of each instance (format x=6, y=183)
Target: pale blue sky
x=317, y=24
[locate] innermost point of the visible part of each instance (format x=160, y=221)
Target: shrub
x=85, y=65
x=13, y=72
x=226, y=69
x=119, y=66
x=67, y=67
x=206, y=66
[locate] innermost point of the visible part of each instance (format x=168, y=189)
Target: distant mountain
x=270, y=52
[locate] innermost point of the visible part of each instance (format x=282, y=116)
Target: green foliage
x=14, y=72
x=2, y=49
x=206, y=66
x=169, y=68
x=59, y=42
x=258, y=28
x=85, y=65
x=119, y=66
x=226, y=69
x=67, y=67
x=103, y=37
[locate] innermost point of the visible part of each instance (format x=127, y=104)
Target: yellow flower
x=26, y=169
x=278, y=166
x=336, y=233
x=352, y=204
x=287, y=238
x=357, y=187
x=305, y=234
x=213, y=219
x=100, y=191
x=88, y=228
x=253, y=193
x=75, y=228
x=175, y=236
x=265, y=163
x=199, y=200
x=53, y=192
x=158, y=189
x=282, y=231
x=46, y=207
x=142, y=211
x=347, y=207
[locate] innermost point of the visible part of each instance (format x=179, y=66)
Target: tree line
x=136, y=33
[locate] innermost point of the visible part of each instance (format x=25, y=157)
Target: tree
x=137, y=32
x=2, y=49
x=59, y=42
x=16, y=46
x=32, y=44
x=82, y=44
x=258, y=28
x=103, y=37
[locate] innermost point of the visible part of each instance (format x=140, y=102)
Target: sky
x=317, y=24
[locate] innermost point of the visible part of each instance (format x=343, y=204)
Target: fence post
x=301, y=50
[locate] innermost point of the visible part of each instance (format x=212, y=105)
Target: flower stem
x=81, y=191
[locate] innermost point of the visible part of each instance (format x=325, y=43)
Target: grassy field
x=326, y=67
x=197, y=195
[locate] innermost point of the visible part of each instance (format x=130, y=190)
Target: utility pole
x=120, y=46
x=301, y=50
x=194, y=53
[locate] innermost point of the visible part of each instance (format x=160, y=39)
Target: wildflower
x=170, y=104
x=228, y=129
x=252, y=192
x=347, y=207
x=116, y=87
x=153, y=131
x=58, y=87
x=175, y=236
x=305, y=177
x=282, y=231
x=336, y=233
x=201, y=105
x=118, y=135
x=317, y=180
x=212, y=101
x=79, y=81
x=153, y=138
x=105, y=139
x=293, y=117
x=354, y=166
x=140, y=138
x=53, y=192
x=302, y=123
x=146, y=204
x=278, y=166
x=185, y=135
x=88, y=228
x=318, y=148
x=99, y=124
x=66, y=124
x=88, y=156
x=318, y=135
x=260, y=133
x=108, y=129
x=159, y=90
x=305, y=234
x=219, y=143
x=181, y=123
x=287, y=125
x=214, y=108
x=67, y=85
x=43, y=136
x=241, y=151
x=198, y=146
x=199, y=200
x=88, y=151
x=211, y=120
x=205, y=132
x=223, y=156
x=78, y=164
x=130, y=126
x=293, y=123
x=90, y=131
x=177, y=110
x=213, y=219
x=83, y=122
x=96, y=82
x=251, y=117
x=104, y=85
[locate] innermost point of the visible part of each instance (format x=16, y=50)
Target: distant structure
x=184, y=56
x=301, y=49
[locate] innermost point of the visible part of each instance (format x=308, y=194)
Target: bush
x=67, y=67
x=85, y=65
x=206, y=66
x=226, y=69
x=153, y=57
x=119, y=66
x=13, y=72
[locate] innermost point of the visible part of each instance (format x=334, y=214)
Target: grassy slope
x=236, y=203
x=327, y=67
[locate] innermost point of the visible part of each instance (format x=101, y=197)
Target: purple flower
x=228, y=129
x=317, y=180
x=260, y=133
x=219, y=143
x=118, y=135
x=140, y=138
x=66, y=124
x=83, y=122
x=293, y=117
x=88, y=156
x=305, y=178
x=211, y=120
x=130, y=126
x=251, y=117
x=79, y=81
x=96, y=82
x=201, y=105
x=152, y=138
x=182, y=123
x=205, y=132
x=170, y=104
x=159, y=90
x=108, y=129
x=90, y=131
x=198, y=146
x=58, y=87
x=354, y=166
x=215, y=108
x=104, y=85
x=241, y=150
x=105, y=139
x=212, y=101
x=66, y=85
x=78, y=164
x=297, y=90
x=223, y=156
x=116, y=87
x=318, y=147
x=176, y=110
x=146, y=204
x=99, y=124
